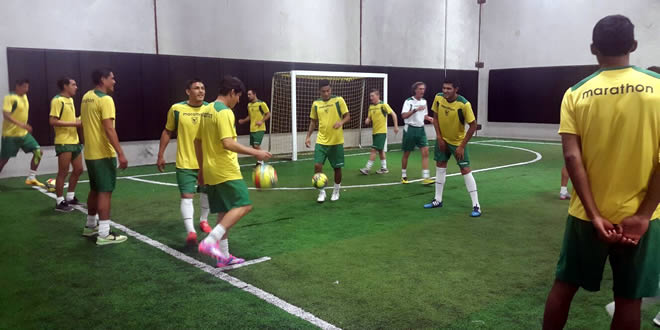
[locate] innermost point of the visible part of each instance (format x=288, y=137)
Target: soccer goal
x=293, y=93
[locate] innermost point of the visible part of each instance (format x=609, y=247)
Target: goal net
x=293, y=93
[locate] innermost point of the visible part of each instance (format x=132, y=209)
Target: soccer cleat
x=564, y=196
x=428, y=181
x=656, y=320
x=404, y=180
x=192, y=238
x=204, y=226
x=112, y=238
x=90, y=232
x=224, y=262
x=34, y=182
x=364, y=171
x=321, y=197
x=74, y=201
x=63, y=207
x=610, y=309
x=211, y=250
x=433, y=204
x=476, y=212
x=335, y=195
x=383, y=170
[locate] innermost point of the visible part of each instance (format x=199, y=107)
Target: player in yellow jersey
x=67, y=144
x=183, y=119
x=102, y=149
x=610, y=130
x=329, y=113
x=216, y=148
x=378, y=112
x=16, y=132
x=258, y=114
x=451, y=112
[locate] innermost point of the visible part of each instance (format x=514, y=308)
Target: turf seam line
x=261, y=294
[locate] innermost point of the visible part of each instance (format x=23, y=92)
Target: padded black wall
x=531, y=95
x=148, y=84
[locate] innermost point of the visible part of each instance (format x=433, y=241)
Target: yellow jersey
x=328, y=113
x=452, y=117
x=62, y=108
x=184, y=119
x=218, y=123
x=18, y=107
x=616, y=114
x=378, y=114
x=257, y=110
x=97, y=106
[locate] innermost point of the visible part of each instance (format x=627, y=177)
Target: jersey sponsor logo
x=616, y=90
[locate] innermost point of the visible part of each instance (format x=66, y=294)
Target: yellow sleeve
x=224, y=124
x=369, y=114
x=198, y=134
x=313, y=113
x=434, y=106
x=469, y=114
x=56, y=106
x=170, y=125
x=388, y=108
x=264, y=107
x=342, y=106
x=567, y=121
x=7, y=105
x=107, y=108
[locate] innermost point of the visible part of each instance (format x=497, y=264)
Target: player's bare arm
x=312, y=127
x=111, y=133
x=7, y=116
x=468, y=135
x=345, y=119
x=165, y=138
x=236, y=147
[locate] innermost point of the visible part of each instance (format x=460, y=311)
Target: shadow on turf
x=4, y=188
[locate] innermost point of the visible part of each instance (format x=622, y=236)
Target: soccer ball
x=264, y=176
x=50, y=185
x=319, y=180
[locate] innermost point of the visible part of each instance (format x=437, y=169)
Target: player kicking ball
x=330, y=113
x=216, y=149
x=451, y=112
x=378, y=112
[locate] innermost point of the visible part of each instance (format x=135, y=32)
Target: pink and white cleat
x=564, y=196
x=211, y=250
x=224, y=262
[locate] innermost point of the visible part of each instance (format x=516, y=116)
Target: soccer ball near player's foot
x=264, y=176
x=319, y=180
x=50, y=185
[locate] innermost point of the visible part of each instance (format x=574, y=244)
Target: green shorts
x=74, y=149
x=379, y=141
x=256, y=138
x=102, y=174
x=228, y=195
x=187, y=180
x=333, y=153
x=414, y=137
x=11, y=144
x=635, y=269
x=443, y=157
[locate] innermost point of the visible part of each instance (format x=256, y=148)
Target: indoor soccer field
x=373, y=259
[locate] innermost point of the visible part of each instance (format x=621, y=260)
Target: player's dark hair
x=98, y=74
x=254, y=91
x=323, y=83
x=374, y=90
x=21, y=82
x=614, y=35
x=229, y=83
x=655, y=69
x=190, y=82
x=414, y=86
x=64, y=81
x=453, y=81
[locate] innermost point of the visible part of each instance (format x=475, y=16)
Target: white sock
x=370, y=163
x=563, y=190
x=403, y=173
x=92, y=221
x=59, y=200
x=187, y=212
x=471, y=186
x=70, y=195
x=440, y=178
x=426, y=174
x=104, y=228
x=215, y=234
x=32, y=175
x=224, y=247
x=204, y=207
x=337, y=187
x=383, y=163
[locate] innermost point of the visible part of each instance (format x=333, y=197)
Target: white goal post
x=293, y=93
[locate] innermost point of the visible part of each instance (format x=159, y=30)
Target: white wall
x=522, y=33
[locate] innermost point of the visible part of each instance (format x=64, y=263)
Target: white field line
x=519, y=141
x=261, y=294
x=538, y=157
